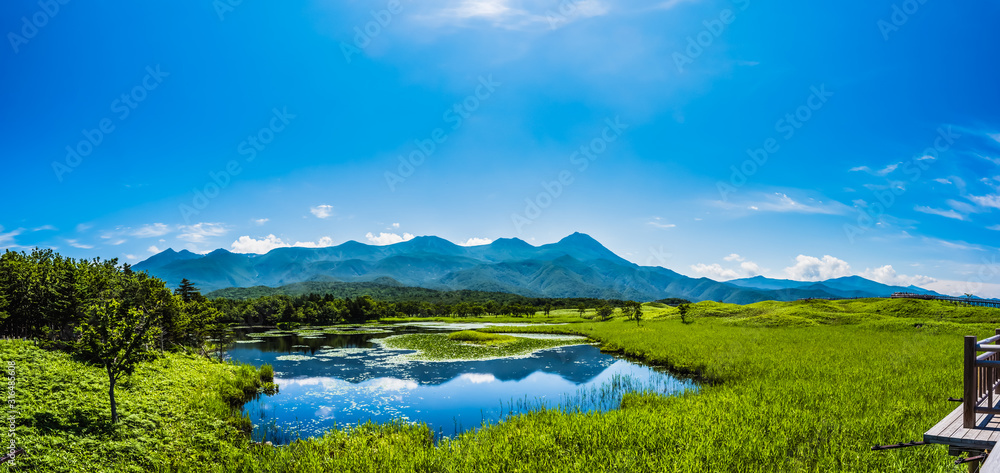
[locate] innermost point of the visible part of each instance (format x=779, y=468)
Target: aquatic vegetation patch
x=295, y=358
x=252, y=340
x=273, y=333
x=438, y=347
x=481, y=337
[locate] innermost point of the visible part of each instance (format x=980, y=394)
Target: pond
x=330, y=380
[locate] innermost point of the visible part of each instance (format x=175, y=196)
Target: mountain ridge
x=575, y=266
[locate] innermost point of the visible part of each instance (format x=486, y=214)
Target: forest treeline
x=46, y=296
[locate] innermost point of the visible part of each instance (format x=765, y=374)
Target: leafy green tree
x=122, y=325
x=632, y=310
x=683, y=310
x=604, y=311
x=581, y=308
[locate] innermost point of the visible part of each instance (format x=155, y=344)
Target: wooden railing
x=981, y=378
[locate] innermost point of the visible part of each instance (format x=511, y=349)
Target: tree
x=632, y=310
x=188, y=292
x=581, y=308
x=683, y=309
x=122, y=325
x=548, y=308
x=604, y=311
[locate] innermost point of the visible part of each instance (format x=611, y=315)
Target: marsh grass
x=481, y=338
x=774, y=398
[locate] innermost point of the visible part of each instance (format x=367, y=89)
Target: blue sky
x=720, y=139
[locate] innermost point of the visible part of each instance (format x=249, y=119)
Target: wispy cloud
x=7, y=239
x=734, y=257
x=151, y=230
x=943, y=213
x=881, y=172
x=987, y=201
x=659, y=223
x=260, y=221
x=781, y=202
x=509, y=14
x=199, y=232
x=44, y=228
x=77, y=244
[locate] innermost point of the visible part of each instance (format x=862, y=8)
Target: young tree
x=581, y=308
x=683, y=309
x=604, y=311
x=122, y=326
x=632, y=310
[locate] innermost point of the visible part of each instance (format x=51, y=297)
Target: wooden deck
x=949, y=431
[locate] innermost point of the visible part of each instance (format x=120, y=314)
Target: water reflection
x=340, y=380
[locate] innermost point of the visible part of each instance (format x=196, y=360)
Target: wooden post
x=969, y=384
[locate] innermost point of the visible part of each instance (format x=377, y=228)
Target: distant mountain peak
x=577, y=238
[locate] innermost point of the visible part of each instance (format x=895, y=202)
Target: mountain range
x=576, y=266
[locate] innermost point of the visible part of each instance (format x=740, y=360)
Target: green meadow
x=786, y=387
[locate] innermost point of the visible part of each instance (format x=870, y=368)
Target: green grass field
x=802, y=386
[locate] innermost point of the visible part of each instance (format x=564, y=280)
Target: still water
x=334, y=381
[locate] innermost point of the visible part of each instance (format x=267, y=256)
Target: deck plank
x=950, y=431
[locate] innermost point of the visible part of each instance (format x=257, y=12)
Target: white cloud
x=198, y=232
x=118, y=242
x=43, y=228
x=76, y=244
x=942, y=180
x=82, y=227
x=153, y=249
x=7, y=239
x=131, y=257
x=261, y=221
x=811, y=268
x=750, y=268
x=781, y=202
x=994, y=227
x=960, y=288
x=943, y=213
x=926, y=158
x=395, y=225
x=658, y=223
x=152, y=230
x=511, y=14
x=881, y=172
x=990, y=200
x=887, y=275
x=714, y=271
x=734, y=257
x=476, y=242
x=388, y=238
x=322, y=211
x=246, y=244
